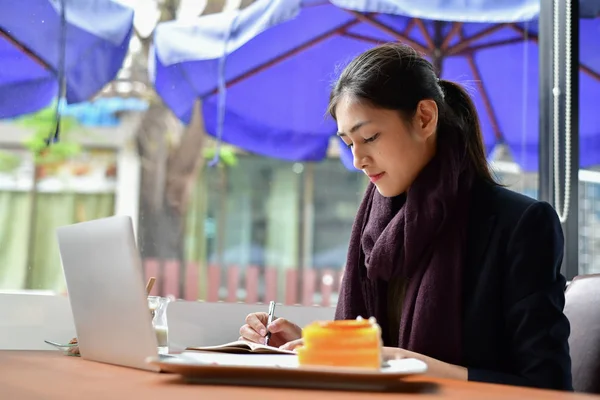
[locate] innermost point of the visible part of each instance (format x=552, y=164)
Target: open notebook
x=242, y=347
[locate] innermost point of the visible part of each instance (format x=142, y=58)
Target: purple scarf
x=420, y=237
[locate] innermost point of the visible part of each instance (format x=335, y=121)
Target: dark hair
x=395, y=77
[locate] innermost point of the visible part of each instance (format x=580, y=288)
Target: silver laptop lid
x=106, y=288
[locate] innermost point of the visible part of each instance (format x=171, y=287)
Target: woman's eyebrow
x=355, y=128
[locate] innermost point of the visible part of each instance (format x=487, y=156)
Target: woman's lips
x=376, y=177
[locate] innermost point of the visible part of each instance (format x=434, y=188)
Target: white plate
x=284, y=371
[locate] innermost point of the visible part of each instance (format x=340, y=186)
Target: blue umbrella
x=86, y=43
x=278, y=58
x=589, y=8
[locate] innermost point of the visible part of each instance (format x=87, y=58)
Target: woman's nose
x=360, y=160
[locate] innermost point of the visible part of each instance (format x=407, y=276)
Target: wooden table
x=29, y=375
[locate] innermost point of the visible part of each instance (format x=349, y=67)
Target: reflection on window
x=79, y=189
x=272, y=229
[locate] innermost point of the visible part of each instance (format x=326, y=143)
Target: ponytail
x=461, y=115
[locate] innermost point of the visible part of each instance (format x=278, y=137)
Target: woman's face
x=389, y=150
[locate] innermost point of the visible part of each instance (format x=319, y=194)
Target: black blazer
x=514, y=330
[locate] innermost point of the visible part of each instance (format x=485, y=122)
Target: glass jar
x=158, y=310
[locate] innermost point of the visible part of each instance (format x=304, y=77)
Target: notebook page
x=233, y=345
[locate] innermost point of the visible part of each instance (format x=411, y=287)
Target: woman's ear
x=426, y=119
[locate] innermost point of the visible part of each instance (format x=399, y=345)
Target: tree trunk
x=168, y=173
x=169, y=167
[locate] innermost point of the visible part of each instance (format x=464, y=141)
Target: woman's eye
x=367, y=140
x=372, y=138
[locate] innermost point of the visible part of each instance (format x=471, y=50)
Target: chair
x=582, y=308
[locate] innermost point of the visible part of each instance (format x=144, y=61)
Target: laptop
x=106, y=287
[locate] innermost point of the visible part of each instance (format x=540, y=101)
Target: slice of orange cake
x=343, y=343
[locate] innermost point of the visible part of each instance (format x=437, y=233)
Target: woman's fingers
x=255, y=329
x=287, y=330
x=393, y=353
x=258, y=322
x=280, y=325
x=248, y=333
x=292, y=345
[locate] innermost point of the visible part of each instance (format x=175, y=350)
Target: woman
x=458, y=271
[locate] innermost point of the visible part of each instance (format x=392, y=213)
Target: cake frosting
x=342, y=343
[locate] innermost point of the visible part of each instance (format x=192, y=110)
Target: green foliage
x=227, y=157
x=43, y=124
x=9, y=161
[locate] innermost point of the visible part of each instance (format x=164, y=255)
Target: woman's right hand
x=282, y=331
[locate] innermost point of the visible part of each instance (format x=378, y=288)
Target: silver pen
x=269, y=320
